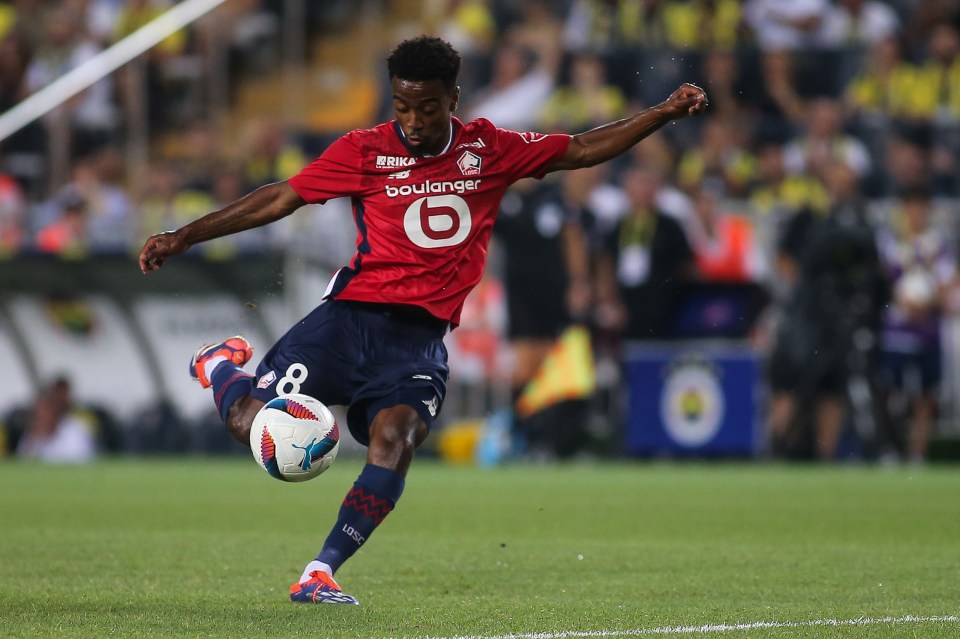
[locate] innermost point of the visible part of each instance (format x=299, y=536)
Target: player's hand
x=688, y=99
x=158, y=248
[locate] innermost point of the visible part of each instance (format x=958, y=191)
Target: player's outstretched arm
x=264, y=205
x=610, y=140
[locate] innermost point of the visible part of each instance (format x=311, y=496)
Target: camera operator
x=826, y=341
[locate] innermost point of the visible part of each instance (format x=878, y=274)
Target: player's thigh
x=317, y=357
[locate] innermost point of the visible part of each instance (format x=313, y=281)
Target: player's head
x=423, y=76
x=423, y=59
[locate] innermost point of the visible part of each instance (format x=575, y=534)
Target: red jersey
x=423, y=223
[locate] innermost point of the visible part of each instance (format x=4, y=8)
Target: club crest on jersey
x=394, y=161
x=469, y=163
x=266, y=380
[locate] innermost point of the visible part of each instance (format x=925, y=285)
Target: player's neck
x=425, y=154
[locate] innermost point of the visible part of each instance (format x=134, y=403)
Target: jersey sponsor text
x=455, y=186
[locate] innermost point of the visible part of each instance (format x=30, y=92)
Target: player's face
x=423, y=110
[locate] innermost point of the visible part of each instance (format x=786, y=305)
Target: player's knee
x=240, y=418
x=394, y=436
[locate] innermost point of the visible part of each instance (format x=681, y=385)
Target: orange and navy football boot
x=320, y=588
x=236, y=349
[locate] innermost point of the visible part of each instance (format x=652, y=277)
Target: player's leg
x=396, y=432
x=219, y=367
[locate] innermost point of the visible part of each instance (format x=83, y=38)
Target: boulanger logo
x=692, y=405
x=429, y=187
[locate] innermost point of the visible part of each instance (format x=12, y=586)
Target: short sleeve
x=336, y=173
x=530, y=154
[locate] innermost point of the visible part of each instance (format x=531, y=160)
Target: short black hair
x=425, y=58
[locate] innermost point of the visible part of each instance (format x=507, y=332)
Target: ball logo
x=692, y=405
x=437, y=221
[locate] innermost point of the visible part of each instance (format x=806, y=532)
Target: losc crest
x=691, y=403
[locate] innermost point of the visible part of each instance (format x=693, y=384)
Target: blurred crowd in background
x=817, y=198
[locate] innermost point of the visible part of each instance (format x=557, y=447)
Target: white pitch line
x=716, y=628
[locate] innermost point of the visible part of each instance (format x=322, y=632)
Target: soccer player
x=425, y=189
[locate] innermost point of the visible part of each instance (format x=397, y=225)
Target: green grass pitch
x=207, y=548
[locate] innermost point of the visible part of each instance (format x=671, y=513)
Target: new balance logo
x=426, y=377
x=399, y=175
x=394, y=161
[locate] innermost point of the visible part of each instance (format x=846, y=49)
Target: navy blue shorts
x=364, y=356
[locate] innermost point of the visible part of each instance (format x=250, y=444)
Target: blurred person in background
x=56, y=431
x=267, y=152
x=823, y=142
x=725, y=246
x=520, y=85
x=90, y=119
x=828, y=331
x=13, y=210
x=646, y=260
x=543, y=224
x=586, y=100
x=721, y=161
x=99, y=179
x=921, y=266
x=67, y=231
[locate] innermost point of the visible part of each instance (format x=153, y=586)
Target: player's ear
x=455, y=100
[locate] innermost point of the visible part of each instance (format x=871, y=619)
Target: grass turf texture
x=207, y=548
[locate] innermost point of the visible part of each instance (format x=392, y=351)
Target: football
x=294, y=438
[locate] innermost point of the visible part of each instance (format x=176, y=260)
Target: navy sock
x=371, y=499
x=229, y=383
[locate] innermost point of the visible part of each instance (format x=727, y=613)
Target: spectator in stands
x=160, y=94
x=268, y=153
x=199, y=156
x=880, y=91
x=779, y=193
x=110, y=220
x=861, y=23
x=56, y=431
x=646, y=261
x=470, y=26
x=587, y=100
x=89, y=120
x=732, y=91
x=935, y=94
x=921, y=265
x=605, y=25
x=823, y=142
x=67, y=233
x=520, y=86
x=703, y=25
x=724, y=244
x=720, y=161
x=157, y=203
x=13, y=209
x=24, y=154
x=787, y=25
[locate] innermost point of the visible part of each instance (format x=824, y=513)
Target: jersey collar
x=414, y=150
